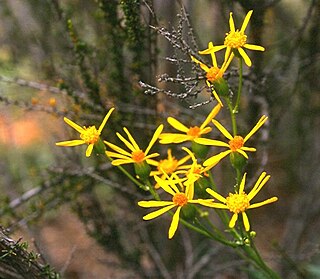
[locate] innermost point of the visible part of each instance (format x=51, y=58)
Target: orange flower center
x=90, y=135
x=213, y=74
x=137, y=156
x=194, y=131
x=237, y=203
x=168, y=165
x=235, y=39
x=236, y=143
x=180, y=199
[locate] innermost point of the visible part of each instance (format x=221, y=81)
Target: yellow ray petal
x=89, y=150
x=151, y=156
x=117, y=149
x=177, y=125
x=214, y=93
x=254, y=47
x=74, y=125
x=158, y=212
x=228, y=53
x=164, y=185
x=246, y=21
x=227, y=62
x=271, y=200
x=174, y=223
x=202, y=65
x=242, y=183
x=70, y=143
x=148, y=204
x=261, y=121
x=126, y=142
x=222, y=129
x=105, y=120
x=245, y=57
x=154, y=138
x=214, y=49
x=250, y=149
x=118, y=162
x=212, y=142
x=131, y=139
x=210, y=116
x=244, y=154
x=212, y=161
x=213, y=55
x=173, y=138
x=216, y=195
x=231, y=23
x=245, y=221
x=117, y=155
x=257, y=187
x=233, y=220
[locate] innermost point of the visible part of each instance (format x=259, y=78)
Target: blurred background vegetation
x=78, y=58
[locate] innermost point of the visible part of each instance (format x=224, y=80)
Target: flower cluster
x=189, y=180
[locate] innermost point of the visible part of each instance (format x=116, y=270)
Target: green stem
x=232, y=116
x=236, y=107
x=254, y=255
x=127, y=174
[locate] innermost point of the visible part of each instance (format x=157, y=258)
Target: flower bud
x=238, y=161
x=99, y=147
x=199, y=150
x=221, y=87
x=142, y=170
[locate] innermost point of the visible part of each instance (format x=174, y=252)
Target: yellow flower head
x=190, y=133
x=179, y=199
x=239, y=203
x=192, y=172
x=136, y=155
x=236, y=40
x=235, y=144
x=89, y=135
x=214, y=73
x=167, y=166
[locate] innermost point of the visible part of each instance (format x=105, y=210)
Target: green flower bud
x=238, y=161
x=99, y=147
x=199, y=150
x=221, y=87
x=142, y=170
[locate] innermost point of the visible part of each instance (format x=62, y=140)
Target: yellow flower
x=240, y=202
x=188, y=133
x=89, y=135
x=136, y=155
x=179, y=199
x=167, y=166
x=235, y=144
x=236, y=40
x=194, y=171
x=214, y=73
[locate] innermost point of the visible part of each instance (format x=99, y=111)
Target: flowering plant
x=191, y=187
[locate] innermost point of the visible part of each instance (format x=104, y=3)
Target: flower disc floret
x=194, y=132
x=236, y=143
x=237, y=203
x=138, y=156
x=180, y=199
x=168, y=166
x=213, y=74
x=235, y=39
x=90, y=135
